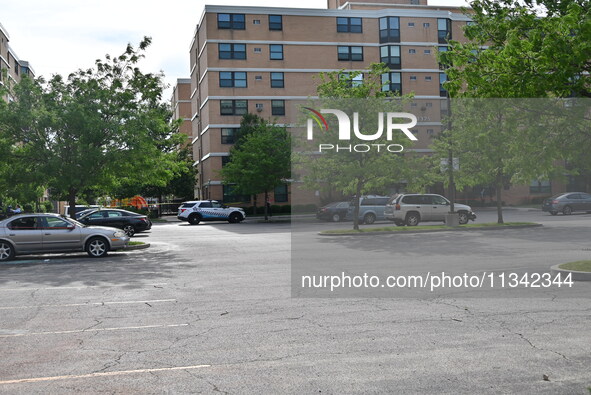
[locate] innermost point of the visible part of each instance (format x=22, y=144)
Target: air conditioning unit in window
x=259, y=107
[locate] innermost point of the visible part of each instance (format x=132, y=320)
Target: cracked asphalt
x=209, y=309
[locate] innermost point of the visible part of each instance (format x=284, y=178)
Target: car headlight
x=119, y=234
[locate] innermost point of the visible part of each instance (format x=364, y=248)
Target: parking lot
x=208, y=308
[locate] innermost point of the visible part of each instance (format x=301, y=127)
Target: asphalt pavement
x=210, y=308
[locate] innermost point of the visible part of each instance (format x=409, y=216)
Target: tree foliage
x=348, y=171
x=533, y=48
x=262, y=160
x=99, y=128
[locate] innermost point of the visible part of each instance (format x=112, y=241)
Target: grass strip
x=578, y=266
x=395, y=229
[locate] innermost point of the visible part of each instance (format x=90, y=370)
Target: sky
x=61, y=36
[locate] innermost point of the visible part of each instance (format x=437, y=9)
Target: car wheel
x=369, y=218
x=97, y=247
x=413, y=219
x=463, y=218
x=553, y=212
x=6, y=251
x=567, y=210
x=129, y=230
x=234, y=218
x=336, y=217
x=194, y=219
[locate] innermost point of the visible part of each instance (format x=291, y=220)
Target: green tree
x=351, y=172
x=94, y=129
x=533, y=48
x=261, y=162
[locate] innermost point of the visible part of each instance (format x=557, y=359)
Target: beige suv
x=410, y=209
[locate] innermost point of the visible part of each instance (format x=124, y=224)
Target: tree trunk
x=266, y=205
x=451, y=187
x=72, y=203
x=254, y=206
x=356, y=202
x=499, y=201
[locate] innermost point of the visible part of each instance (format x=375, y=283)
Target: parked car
x=79, y=209
x=130, y=222
x=567, y=203
x=209, y=210
x=371, y=208
x=335, y=211
x=410, y=209
x=46, y=233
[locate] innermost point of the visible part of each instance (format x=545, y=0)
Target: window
x=350, y=53
x=232, y=51
x=430, y=132
x=258, y=50
x=413, y=78
x=411, y=24
x=256, y=21
x=26, y=223
x=112, y=214
x=232, y=79
x=391, y=82
x=412, y=50
x=233, y=107
x=443, y=30
x=276, y=51
x=429, y=104
x=259, y=107
x=426, y=25
x=281, y=194
x=229, y=135
x=258, y=77
x=277, y=80
x=442, y=48
x=442, y=79
x=390, y=29
x=56, y=223
x=275, y=22
x=542, y=187
x=277, y=107
x=205, y=205
x=349, y=25
x=231, y=21
x=231, y=197
x=96, y=215
x=390, y=55
x=427, y=51
x=352, y=81
x=427, y=78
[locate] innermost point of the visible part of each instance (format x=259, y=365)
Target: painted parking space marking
x=100, y=374
x=78, y=287
x=123, y=328
x=88, y=304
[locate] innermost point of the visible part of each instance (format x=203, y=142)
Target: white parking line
x=100, y=374
x=87, y=304
x=79, y=288
x=93, y=330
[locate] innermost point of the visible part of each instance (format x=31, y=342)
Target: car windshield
x=86, y=214
x=73, y=221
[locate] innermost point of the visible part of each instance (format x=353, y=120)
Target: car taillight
x=554, y=201
x=144, y=220
x=397, y=206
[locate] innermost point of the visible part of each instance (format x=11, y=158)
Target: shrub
x=286, y=209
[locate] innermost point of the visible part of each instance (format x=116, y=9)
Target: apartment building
x=10, y=63
x=264, y=59
x=181, y=106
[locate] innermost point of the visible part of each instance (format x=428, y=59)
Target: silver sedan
x=44, y=233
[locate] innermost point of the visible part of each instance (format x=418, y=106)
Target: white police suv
x=209, y=210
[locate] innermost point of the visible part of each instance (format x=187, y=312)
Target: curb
x=137, y=247
x=458, y=229
x=575, y=275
